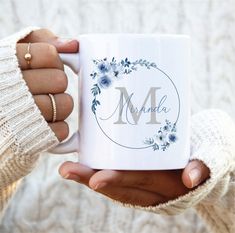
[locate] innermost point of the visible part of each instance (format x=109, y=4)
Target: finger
x=46, y=36
x=195, y=173
x=131, y=196
x=82, y=174
x=64, y=106
x=76, y=172
x=61, y=129
x=65, y=45
x=43, y=56
x=44, y=81
x=40, y=35
x=153, y=181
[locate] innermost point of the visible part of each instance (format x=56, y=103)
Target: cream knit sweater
x=23, y=131
x=24, y=134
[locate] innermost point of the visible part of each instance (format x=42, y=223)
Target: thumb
x=46, y=36
x=195, y=173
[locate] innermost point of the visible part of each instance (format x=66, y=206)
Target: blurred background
x=211, y=25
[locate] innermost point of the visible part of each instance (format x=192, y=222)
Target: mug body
x=134, y=101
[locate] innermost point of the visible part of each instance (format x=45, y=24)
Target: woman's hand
x=46, y=75
x=144, y=188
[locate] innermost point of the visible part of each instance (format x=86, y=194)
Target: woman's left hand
x=143, y=188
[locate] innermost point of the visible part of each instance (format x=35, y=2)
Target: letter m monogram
x=125, y=99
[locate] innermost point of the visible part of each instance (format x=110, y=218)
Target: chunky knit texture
x=23, y=131
x=213, y=142
x=62, y=206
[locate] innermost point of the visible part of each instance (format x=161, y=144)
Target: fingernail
x=65, y=176
x=65, y=40
x=195, y=177
x=70, y=176
x=100, y=185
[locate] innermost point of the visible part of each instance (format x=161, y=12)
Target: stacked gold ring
x=28, y=56
x=54, y=111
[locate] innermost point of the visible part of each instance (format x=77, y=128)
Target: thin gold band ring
x=54, y=111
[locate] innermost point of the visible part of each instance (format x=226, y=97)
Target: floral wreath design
x=106, y=72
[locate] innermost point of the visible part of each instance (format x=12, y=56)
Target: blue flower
x=172, y=137
x=117, y=70
x=103, y=67
x=160, y=138
x=104, y=81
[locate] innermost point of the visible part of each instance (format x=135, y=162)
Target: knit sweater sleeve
x=212, y=142
x=23, y=131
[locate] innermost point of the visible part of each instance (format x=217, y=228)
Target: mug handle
x=72, y=144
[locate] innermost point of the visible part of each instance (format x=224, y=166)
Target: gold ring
x=28, y=55
x=53, y=107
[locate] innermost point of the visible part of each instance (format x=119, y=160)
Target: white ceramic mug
x=135, y=101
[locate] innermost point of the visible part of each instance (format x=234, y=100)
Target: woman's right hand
x=46, y=75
